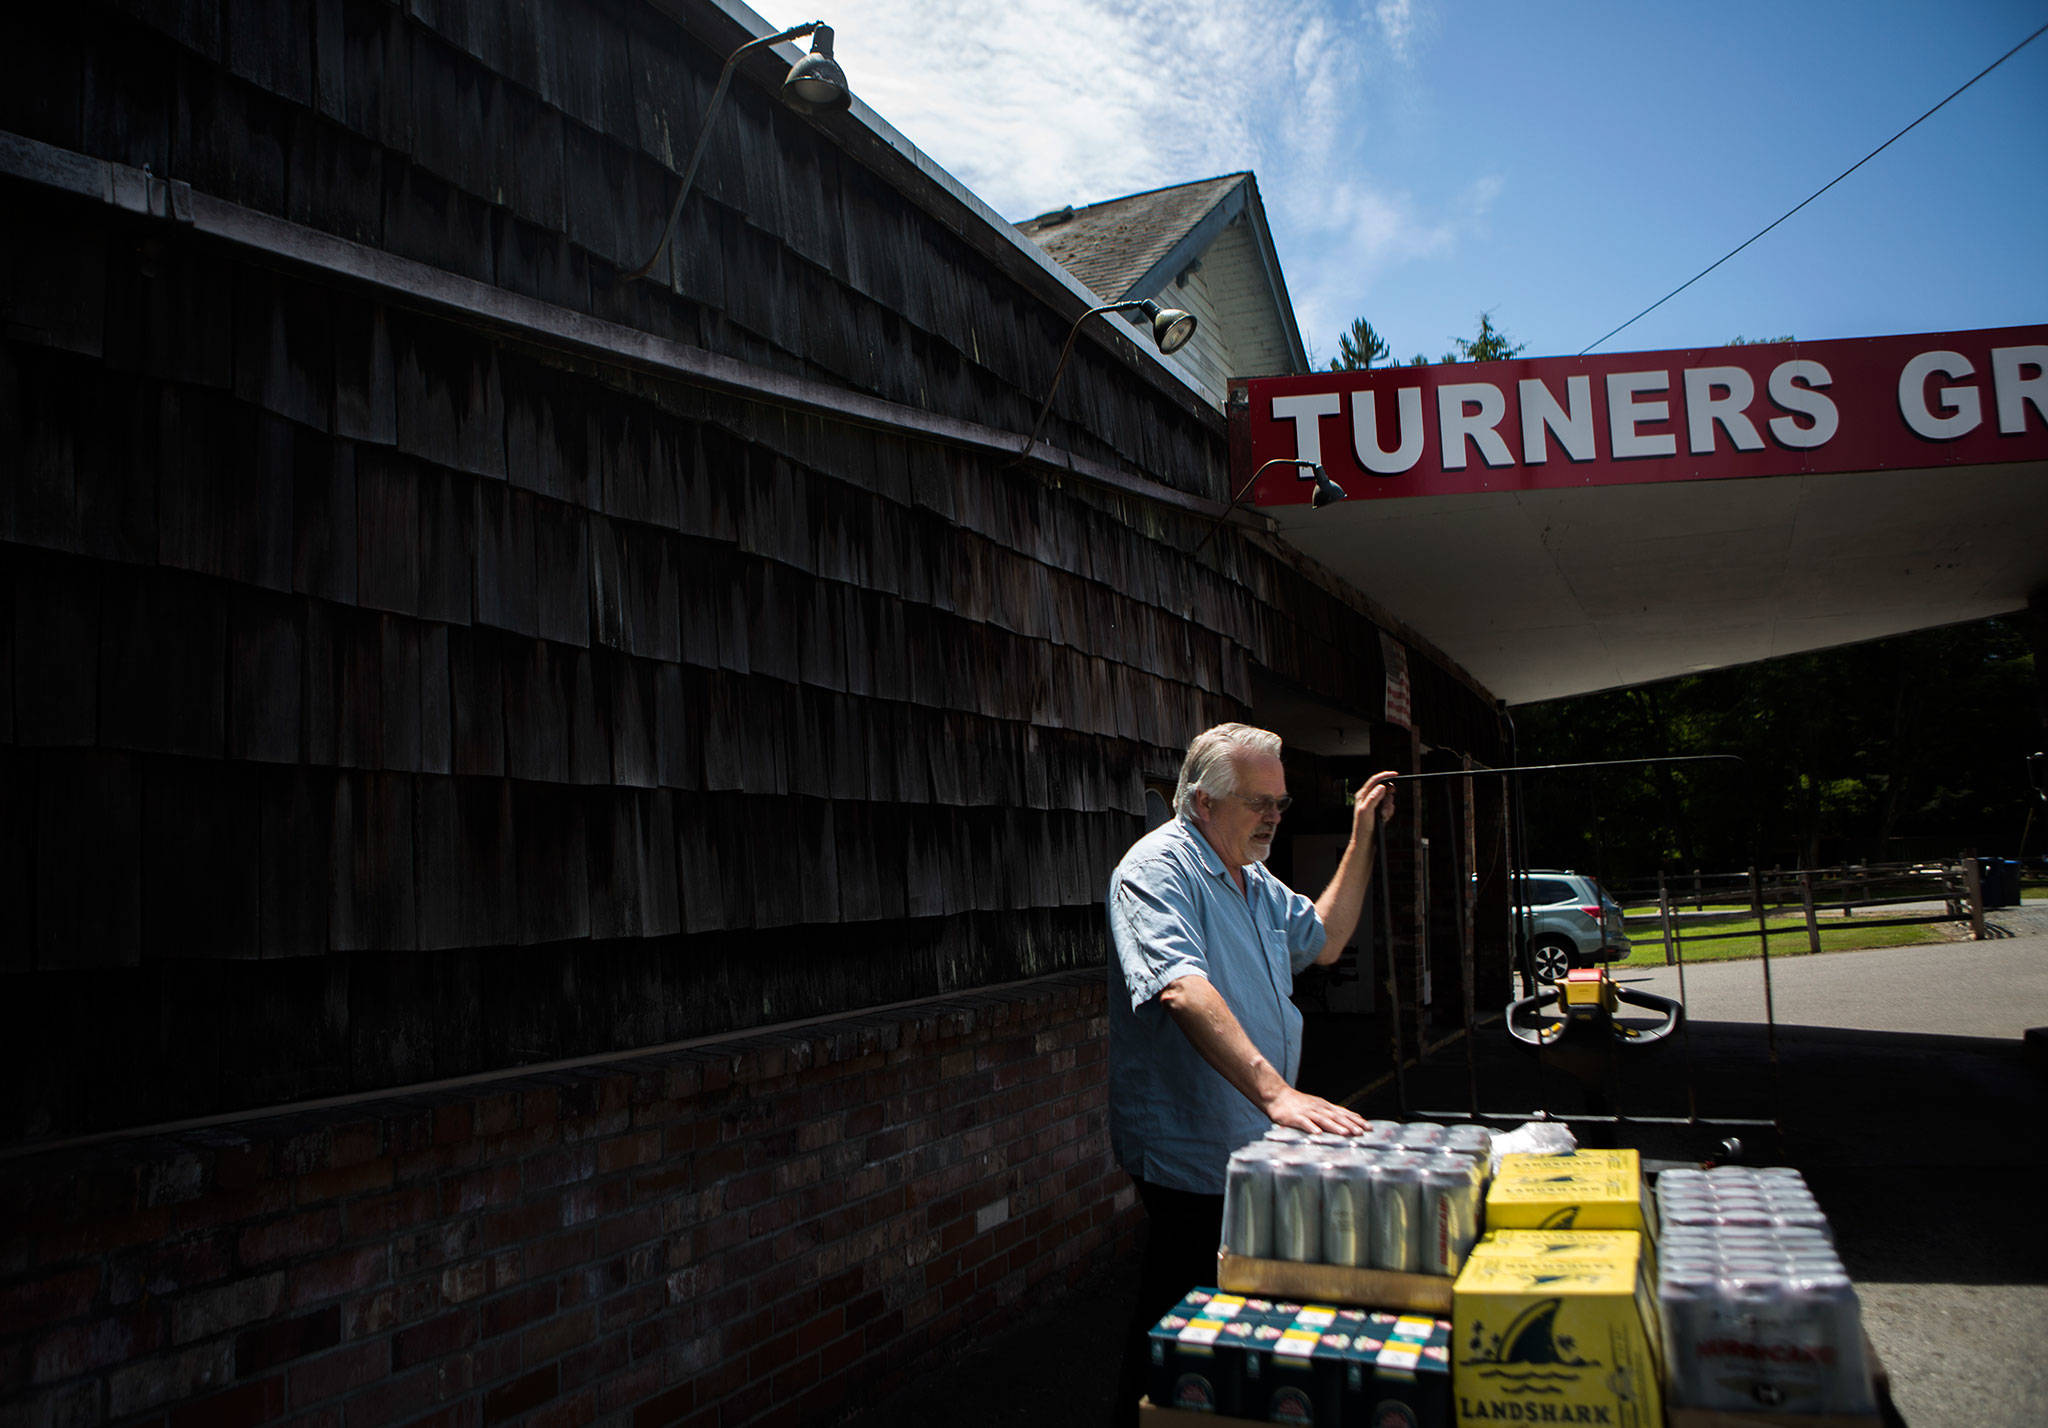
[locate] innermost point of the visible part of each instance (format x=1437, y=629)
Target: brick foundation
x=747, y=1231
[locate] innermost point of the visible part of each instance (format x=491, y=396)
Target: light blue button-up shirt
x=1174, y=910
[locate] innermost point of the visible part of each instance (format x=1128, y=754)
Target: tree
x=1909, y=747
x=1359, y=348
x=1491, y=345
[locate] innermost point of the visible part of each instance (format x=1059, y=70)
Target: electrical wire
x=1821, y=190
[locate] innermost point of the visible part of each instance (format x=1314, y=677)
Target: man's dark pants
x=1182, y=1232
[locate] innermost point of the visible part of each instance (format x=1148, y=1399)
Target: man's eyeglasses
x=1265, y=803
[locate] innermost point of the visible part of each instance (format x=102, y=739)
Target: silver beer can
x=1347, y=1210
x=1685, y=1295
x=1395, y=1240
x=1297, y=1208
x=1450, y=1213
x=1248, y=1203
x=1826, y=1304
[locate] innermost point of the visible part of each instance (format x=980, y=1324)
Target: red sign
x=1771, y=409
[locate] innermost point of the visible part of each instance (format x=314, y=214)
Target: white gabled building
x=1202, y=246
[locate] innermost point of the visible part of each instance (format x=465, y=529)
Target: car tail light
x=1591, y=910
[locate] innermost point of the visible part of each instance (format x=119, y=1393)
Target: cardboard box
x=1555, y=1339
x=1296, y=1375
x=1320, y=1366
x=1585, y=1190
x=1570, y=1244
x=1334, y=1284
x=1397, y=1373
x=1196, y=1353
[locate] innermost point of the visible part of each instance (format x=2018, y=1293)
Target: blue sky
x=1559, y=165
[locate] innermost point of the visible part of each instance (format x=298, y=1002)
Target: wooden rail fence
x=1683, y=902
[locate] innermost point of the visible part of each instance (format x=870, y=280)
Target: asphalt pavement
x=1900, y=1081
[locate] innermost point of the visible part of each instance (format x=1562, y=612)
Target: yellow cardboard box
x=1586, y=1190
x=1570, y=1244
x=1556, y=1338
x=1558, y=1244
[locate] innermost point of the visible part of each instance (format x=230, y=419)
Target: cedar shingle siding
x=386, y=696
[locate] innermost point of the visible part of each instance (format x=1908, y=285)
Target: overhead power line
x=1821, y=190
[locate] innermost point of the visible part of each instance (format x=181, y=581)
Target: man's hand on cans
x=1376, y=794
x=1312, y=1113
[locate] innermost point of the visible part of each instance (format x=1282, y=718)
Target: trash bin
x=2001, y=881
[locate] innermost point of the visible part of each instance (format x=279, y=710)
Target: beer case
x=1397, y=1372
x=1196, y=1353
x=1556, y=1338
x=1295, y=1373
x=1314, y=1364
x=1583, y=1190
x=1558, y=1244
x=1571, y=1244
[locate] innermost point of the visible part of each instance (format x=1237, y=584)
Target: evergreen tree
x=1359, y=348
x=1491, y=345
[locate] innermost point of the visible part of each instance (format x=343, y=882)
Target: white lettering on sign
x=1731, y=414
x=1305, y=411
x=1625, y=415
x=1470, y=411
x=1804, y=401
x=2016, y=391
x=1571, y=424
x=1365, y=433
x=1704, y=409
x=1961, y=408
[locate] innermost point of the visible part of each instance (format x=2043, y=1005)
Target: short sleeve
x=1306, y=935
x=1155, y=927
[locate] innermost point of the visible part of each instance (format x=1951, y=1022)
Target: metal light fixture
x=814, y=85
x=1326, y=492
x=1171, y=329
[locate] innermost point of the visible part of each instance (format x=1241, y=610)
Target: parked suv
x=1571, y=921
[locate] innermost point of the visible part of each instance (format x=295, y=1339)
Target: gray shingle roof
x=1111, y=245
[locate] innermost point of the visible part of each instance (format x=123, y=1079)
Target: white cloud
x=1042, y=103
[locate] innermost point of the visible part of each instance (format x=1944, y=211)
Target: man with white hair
x=1204, y=1045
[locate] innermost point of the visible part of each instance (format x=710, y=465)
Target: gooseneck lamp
x=814, y=85
x=1171, y=329
x=1326, y=492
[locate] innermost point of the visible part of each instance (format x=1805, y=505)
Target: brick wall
x=747, y=1231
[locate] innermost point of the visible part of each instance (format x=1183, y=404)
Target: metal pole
x=1379, y=846
x=1468, y=891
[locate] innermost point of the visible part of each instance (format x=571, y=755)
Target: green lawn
x=1788, y=939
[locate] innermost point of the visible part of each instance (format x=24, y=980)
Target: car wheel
x=1553, y=960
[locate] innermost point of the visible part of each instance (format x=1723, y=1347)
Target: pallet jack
x=1590, y=999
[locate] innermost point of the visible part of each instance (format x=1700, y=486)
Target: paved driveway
x=1996, y=988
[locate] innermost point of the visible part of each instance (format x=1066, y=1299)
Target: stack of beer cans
x=1758, y=1313
x=1401, y=1197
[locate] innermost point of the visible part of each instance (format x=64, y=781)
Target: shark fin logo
x=1530, y=1356
x=1563, y=1219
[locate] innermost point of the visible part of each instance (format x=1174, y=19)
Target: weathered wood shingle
x=519, y=669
